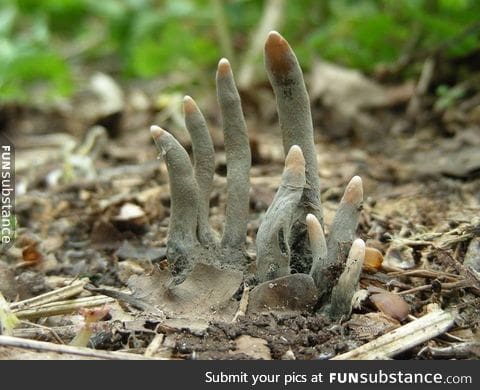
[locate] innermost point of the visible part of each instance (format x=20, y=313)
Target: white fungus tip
x=354, y=191
x=156, y=131
x=295, y=159
x=357, y=251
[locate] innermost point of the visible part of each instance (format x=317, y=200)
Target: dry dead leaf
x=349, y=91
x=31, y=254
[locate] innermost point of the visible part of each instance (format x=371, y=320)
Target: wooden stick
x=464, y=350
x=154, y=345
x=42, y=328
x=63, y=307
x=16, y=342
x=66, y=332
x=56, y=295
x=403, y=338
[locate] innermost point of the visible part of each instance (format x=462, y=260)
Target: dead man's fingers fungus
x=347, y=285
x=204, y=165
x=237, y=150
x=273, y=248
x=291, y=235
x=293, y=105
x=182, y=229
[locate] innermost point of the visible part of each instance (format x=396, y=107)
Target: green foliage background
x=44, y=42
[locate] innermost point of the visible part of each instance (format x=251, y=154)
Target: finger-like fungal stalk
x=339, y=240
x=273, y=248
x=204, y=165
x=345, y=221
x=347, y=285
x=318, y=246
x=282, y=242
x=182, y=230
x=237, y=150
x=296, y=125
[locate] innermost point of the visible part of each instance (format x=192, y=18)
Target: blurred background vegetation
x=45, y=45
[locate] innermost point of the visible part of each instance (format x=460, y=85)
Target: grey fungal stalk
x=291, y=234
x=190, y=236
x=293, y=105
x=238, y=158
x=273, y=249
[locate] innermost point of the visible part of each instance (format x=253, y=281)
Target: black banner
x=242, y=374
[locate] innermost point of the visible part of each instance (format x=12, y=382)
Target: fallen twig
x=16, y=342
x=38, y=332
x=403, y=338
x=52, y=296
x=43, y=328
x=423, y=273
x=455, y=351
x=62, y=307
x=154, y=345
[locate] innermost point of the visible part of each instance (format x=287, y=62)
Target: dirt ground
x=95, y=203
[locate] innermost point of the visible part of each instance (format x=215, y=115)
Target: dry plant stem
x=63, y=307
x=342, y=293
x=237, y=150
x=182, y=237
x=15, y=342
x=464, y=350
x=273, y=249
x=403, y=338
x=154, y=345
x=36, y=331
x=294, y=114
x=52, y=296
x=43, y=328
x=204, y=165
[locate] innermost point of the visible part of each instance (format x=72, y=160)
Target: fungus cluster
x=292, y=230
